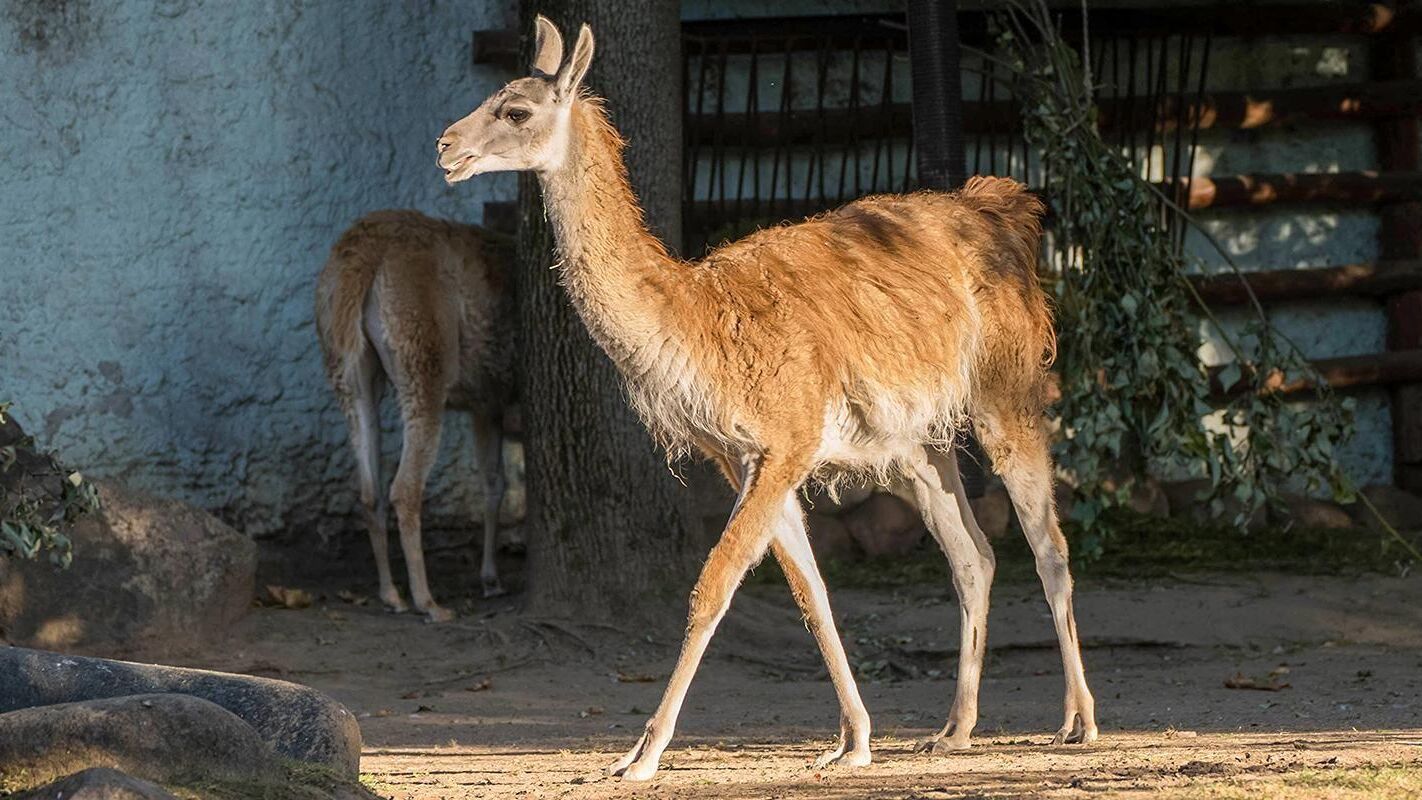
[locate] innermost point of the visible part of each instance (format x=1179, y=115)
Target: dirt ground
x=501, y=705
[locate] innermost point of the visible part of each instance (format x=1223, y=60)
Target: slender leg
x=489, y=444
x=971, y=558
x=1018, y=447
x=417, y=456
x=792, y=549
x=361, y=403
x=744, y=543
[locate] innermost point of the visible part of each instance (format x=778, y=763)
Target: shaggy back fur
x=880, y=321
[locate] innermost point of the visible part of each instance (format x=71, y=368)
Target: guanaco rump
x=421, y=303
x=853, y=343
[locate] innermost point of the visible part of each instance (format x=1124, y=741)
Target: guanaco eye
x=517, y=116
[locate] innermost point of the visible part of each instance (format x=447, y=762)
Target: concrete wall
x=172, y=174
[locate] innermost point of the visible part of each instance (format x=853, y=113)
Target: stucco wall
x=172, y=174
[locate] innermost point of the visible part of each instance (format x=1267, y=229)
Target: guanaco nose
x=442, y=143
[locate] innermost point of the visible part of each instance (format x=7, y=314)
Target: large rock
x=166, y=738
x=97, y=783
x=1184, y=499
x=1402, y=509
x=148, y=574
x=885, y=525
x=1310, y=513
x=297, y=721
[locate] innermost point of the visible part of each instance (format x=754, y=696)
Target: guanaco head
x=523, y=126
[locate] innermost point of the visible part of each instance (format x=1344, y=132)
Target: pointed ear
x=571, y=76
x=547, y=47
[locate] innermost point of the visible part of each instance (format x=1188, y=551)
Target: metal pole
x=935, y=61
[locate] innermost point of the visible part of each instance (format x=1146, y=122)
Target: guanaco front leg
x=749, y=532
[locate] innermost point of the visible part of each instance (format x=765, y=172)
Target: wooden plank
x=1366, y=280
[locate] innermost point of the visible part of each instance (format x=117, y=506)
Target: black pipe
x=935, y=59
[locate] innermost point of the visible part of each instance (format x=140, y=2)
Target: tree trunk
x=609, y=524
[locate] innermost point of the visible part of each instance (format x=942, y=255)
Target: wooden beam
x=1265, y=190
x=1238, y=19
x=1238, y=191
x=1222, y=110
x=844, y=31
x=1348, y=372
x=1367, y=280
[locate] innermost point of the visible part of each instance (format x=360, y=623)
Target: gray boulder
x=296, y=721
x=167, y=738
x=97, y=783
x=149, y=574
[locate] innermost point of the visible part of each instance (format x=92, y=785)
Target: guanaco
x=423, y=304
x=855, y=342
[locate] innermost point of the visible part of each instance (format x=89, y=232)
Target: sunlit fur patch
x=849, y=340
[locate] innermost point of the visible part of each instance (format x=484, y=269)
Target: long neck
x=618, y=275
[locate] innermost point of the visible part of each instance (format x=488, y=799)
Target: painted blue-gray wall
x=172, y=174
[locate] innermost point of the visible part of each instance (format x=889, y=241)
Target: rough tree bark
x=610, y=528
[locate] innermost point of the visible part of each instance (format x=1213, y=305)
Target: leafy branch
x=1136, y=395
x=40, y=498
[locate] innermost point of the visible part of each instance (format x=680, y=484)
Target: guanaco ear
x=571, y=76
x=547, y=47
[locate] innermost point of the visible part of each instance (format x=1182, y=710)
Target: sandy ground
x=498, y=704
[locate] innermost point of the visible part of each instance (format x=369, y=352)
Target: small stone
x=1184, y=499
x=830, y=538
x=993, y=511
x=1149, y=498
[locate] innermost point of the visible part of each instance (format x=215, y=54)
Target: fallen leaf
x=423, y=708
x=1242, y=681
x=287, y=597
x=481, y=686
x=352, y=598
x=414, y=695
x=633, y=677
x=590, y=711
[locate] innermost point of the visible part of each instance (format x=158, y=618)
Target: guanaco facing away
x=421, y=303
x=854, y=342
